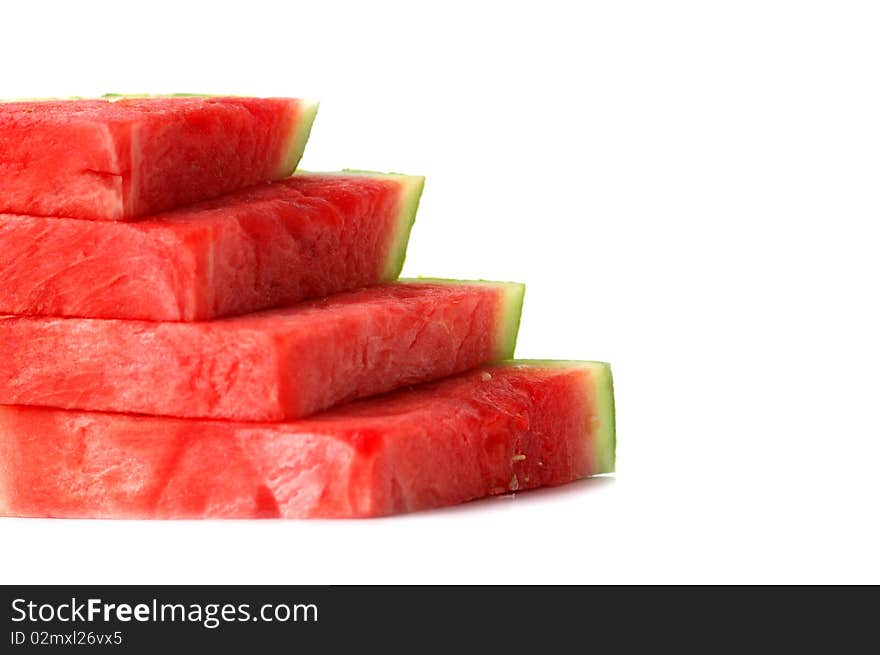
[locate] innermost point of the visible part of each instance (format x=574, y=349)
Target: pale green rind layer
x=508, y=323
x=411, y=188
x=605, y=435
x=510, y=309
x=606, y=432
x=305, y=118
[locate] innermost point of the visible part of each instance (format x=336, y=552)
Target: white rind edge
x=306, y=112
x=411, y=187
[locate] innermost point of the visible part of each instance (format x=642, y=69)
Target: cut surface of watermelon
x=124, y=157
x=492, y=430
x=272, y=365
x=307, y=236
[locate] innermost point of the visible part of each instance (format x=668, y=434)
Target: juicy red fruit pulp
x=103, y=160
x=492, y=430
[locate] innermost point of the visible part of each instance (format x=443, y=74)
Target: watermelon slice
x=283, y=363
x=492, y=430
x=304, y=237
x=118, y=157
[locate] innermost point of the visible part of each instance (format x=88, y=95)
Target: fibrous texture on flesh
x=308, y=236
x=496, y=429
x=282, y=363
x=120, y=158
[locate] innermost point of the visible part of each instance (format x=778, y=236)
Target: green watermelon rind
x=510, y=312
x=410, y=195
x=605, y=449
x=305, y=118
x=512, y=306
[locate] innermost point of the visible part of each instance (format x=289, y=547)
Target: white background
x=690, y=191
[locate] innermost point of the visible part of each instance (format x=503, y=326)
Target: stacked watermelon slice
x=189, y=329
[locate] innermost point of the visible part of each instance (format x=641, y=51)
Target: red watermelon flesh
x=493, y=430
x=123, y=157
x=282, y=363
x=304, y=237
